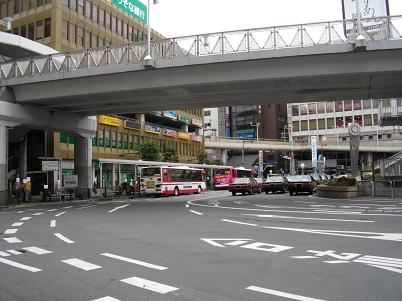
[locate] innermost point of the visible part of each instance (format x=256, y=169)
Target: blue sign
x=245, y=135
x=170, y=114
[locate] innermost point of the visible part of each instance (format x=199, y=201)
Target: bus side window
x=234, y=173
x=165, y=175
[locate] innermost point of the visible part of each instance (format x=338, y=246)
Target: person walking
x=18, y=190
x=27, y=189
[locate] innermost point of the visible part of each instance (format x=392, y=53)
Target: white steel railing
x=249, y=40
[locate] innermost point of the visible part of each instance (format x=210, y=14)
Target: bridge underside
x=321, y=73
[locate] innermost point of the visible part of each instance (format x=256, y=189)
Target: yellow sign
x=182, y=135
x=109, y=120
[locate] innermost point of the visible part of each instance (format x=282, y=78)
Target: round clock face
x=354, y=129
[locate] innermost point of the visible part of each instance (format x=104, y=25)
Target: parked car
x=273, y=184
x=244, y=185
x=301, y=183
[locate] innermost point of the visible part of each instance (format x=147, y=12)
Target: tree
x=150, y=151
x=170, y=155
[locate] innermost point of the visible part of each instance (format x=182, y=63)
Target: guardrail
x=380, y=188
x=241, y=41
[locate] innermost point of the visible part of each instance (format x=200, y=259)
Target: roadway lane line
x=52, y=223
x=83, y=265
x=196, y=212
x=68, y=207
x=150, y=285
x=107, y=298
x=61, y=213
x=26, y=218
x=119, y=207
x=19, y=265
x=12, y=240
x=86, y=207
x=20, y=211
x=17, y=224
x=51, y=210
x=134, y=261
x=62, y=237
x=281, y=294
x=37, y=251
x=4, y=254
x=38, y=213
x=387, y=268
x=10, y=231
x=311, y=218
x=240, y=223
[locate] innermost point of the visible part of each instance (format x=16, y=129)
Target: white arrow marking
x=212, y=241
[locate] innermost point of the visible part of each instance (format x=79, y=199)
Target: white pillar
x=224, y=156
x=3, y=164
x=83, y=164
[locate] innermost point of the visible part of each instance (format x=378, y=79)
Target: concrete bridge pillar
x=3, y=164
x=83, y=164
x=224, y=156
x=23, y=159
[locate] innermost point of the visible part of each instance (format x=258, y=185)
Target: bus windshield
x=243, y=173
x=222, y=172
x=150, y=172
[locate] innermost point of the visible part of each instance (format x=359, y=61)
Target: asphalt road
x=211, y=246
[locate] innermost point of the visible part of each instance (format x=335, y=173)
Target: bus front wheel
x=176, y=191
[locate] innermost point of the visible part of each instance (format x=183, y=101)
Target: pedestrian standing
x=18, y=190
x=27, y=190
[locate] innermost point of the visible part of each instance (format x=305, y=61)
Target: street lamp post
x=256, y=125
x=302, y=167
x=148, y=58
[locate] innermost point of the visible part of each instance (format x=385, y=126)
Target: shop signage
x=170, y=133
x=313, y=151
x=109, y=120
x=70, y=181
x=196, y=137
x=170, y=114
x=196, y=122
x=152, y=129
x=50, y=165
x=130, y=124
x=134, y=8
x=184, y=118
x=158, y=113
x=182, y=135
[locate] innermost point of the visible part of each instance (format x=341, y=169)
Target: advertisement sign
x=261, y=162
x=130, y=124
x=197, y=122
x=152, y=129
x=103, y=119
x=227, y=122
x=249, y=133
x=70, y=181
x=196, y=137
x=50, y=165
x=368, y=9
x=182, y=135
x=185, y=119
x=134, y=8
x=170, y=133
x=170, y=114
x=313, y=151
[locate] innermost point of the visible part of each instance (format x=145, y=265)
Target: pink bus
x=226, y=175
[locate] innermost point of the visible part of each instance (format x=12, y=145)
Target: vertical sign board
x=134, y=8
x=261, y=163
x=313, y=151
x=368, y=9
x=227, y=122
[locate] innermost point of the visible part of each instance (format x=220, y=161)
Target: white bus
x=165, y=180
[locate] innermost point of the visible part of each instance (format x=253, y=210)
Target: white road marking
x=311, y=218
x=212, y=241
x=51, y=210
x=20, y=211
x=303, y=257
x=38, y=213
x=68, y=207
x=83, y=265
x=107, y=298
x=12, y=240
x=260, y=246
x=196, y=212
x=36, y=250
x=52, y=223
x=240, y=223
x=281, y=294
x=4, y=254
x=236, y=243
x=187, y=205
x=26, y=218
x=62, y=237
x=58, y=214
x=17, y=224
x=10, y=231
x=14, y=252
x=390, y=262
x=119, y=207
x=305, y=202
x=86, y=207
x=150, y=285
x=336, y=261
x=19, y=265
x=387, y=268
x=134, y=261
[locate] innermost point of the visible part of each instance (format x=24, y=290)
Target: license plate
x=150, y=184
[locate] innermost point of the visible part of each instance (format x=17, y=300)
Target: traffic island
x=341, y=188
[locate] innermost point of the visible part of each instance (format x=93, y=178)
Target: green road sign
x=133, y=7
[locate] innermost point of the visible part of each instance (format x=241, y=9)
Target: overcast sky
x=174, y=18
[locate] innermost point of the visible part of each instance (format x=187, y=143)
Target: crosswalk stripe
x=39, y=213
x=10, y=231
x=58, y=214
x=14, y=252
x=150, y=285
x=107, y=298
x=51, y=210
x=83, y=265
x=19, y=265
x=134, y=261
x=17, y=224
x=281, y=294
x=12, y=240
x=52, y=223
x=26, y=218
x=36, y=250
x=4, y=254
x=63, y=238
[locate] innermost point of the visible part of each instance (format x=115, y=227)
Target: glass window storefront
x=321, y=108
x=330, y=123
x=368, y=121
x=321, y=124
x=357, y=105
x=296, y=126
x=295, y=110
x=339, y=122
x=313, y=124
x=367, y=104
x=338, y=106
x=303, y=109
x=304, y=125
x=312, y=108
x=347, y=104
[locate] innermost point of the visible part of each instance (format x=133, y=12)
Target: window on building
x=32, y=4
x=48, y=1
x=347, y=104
x=296, y=126
x=3, y=9
x=73, y=29
x=95, y=13
x=359, y=120
x=107, y=20
x=101, y=42
x=73, y=5
x=107, y=138
x=303, y=109
x=367, y=104
x=100, y=138
x=23, y=31
x=125, y=30
x=80, y=37
x=87, y=39
x=321, y=124
x=48, y=27
x=101, y=17
x=63, y=137
x=348, y=120
x=375, y=119
x=114, y=24
x=339, y=122
x=368, y=120
x=88, y=8
x=64, y=29
x=321, y=108
x=94, y=42
x=17, y=6
x=329, y=107
x=370, y=137
x=66, y=3
x=125, y=141
x=376, y=102
x=313, y=124
x=31, y=31
x=357, y=105
x=39, y=29
x=130, y=33
x=304, y=125
x=119, y=140
x=295, y=110
x=136, y=35
x=389, y=136
x=81, y=7
x=338, y=106
x=312, y=108
x=330, y=123
x=379, y=137
x=119, y=27
x=207, y=113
